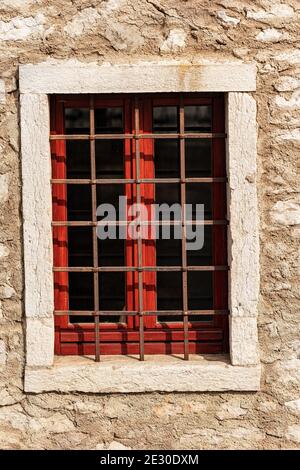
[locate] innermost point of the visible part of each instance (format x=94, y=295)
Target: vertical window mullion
x=183, y=222
x=140, y=247
x=94, y=219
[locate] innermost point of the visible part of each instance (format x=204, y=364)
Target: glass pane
x=80, y=246
x=77, y=121
x=79, y=202
x=109, y=121
x=109, y=194
x=81, y=295
x=197, y=193
x=166, y=158
x=168, y=194
x=111, y=252
x=78, y=159
x=109, y=158
x=168, y=252
x=200, y=290
x=197, y=118
x=198, y=161
x=204, y=256
x=165, y=119
x=169, y=292
x=112, y=293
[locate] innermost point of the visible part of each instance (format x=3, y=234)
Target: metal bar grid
x=137, y=181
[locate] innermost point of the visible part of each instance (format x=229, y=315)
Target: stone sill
x=123, y=374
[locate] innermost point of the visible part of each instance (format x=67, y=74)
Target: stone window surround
x=115, y=374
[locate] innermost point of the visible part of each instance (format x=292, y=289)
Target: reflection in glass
x=109, y=121
x=165, y=119
x=197, y=118
x=77, y=121
x=198, y=161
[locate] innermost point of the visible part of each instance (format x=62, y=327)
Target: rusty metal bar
x=142, y=180
x=95, y=240
x=137, y=136
x=104, y=269
x=89, y=223
x=183, y=231
x=139, y=241
x=113, y=313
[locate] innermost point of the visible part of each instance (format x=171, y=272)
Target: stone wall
x=260, y=31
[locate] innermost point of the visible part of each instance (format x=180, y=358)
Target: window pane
x=169, y=291
x=197, y=118
x=109, y=158
x=79, y=202
x=200, y=290
x=78, y=159
x=77, y=121
x=80, y=246
x=168, y=252
x=204, y=256
x=112, y=293
x=168, y=194
x=111, y=252
x=165, y=119
x=166, y=158
x=199, y=194
x=109, y=194
x=81, y=292
x=109, y=121
x=198, y=161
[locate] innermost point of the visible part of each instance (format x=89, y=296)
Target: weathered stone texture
x=263, y=32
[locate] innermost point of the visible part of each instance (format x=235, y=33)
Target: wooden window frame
x=142, y=332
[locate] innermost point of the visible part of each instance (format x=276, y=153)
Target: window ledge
x=122, y=374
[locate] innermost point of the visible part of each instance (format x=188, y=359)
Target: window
x=46, y=371
x=138, y=296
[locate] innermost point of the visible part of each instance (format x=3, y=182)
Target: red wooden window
x=138, y=296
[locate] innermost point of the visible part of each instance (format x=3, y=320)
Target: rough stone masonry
x=262, y=32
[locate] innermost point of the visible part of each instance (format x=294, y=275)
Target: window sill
x=122, y=374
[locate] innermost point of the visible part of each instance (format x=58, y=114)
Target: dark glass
x=169, y=292
x=165, y=119
x=200, y=291
x=80, y=246
x=109, y=194
x=79, y=202
x=197, y=193
x=198, y=161
x=166, y=158
x=111, y=252
x=109, y=121
x=78, y=159
x=168, y=252
x=109, y=158
x=197, y=118
x=112, y=293
x=81, y=293
x=77, y=121
x=203, y=256
x=168, y=194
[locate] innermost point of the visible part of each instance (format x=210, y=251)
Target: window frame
x=43, y=372
x=117, y=338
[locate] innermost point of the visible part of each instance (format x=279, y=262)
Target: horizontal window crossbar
x=140, y=181
x=113, y=313
x=86, y=223
x=186, y=135
x=139, y=269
